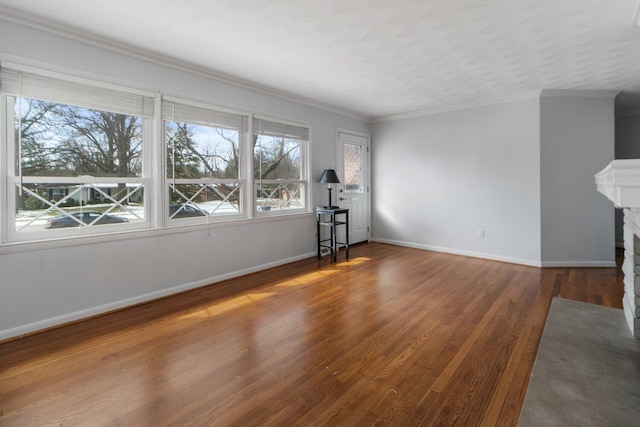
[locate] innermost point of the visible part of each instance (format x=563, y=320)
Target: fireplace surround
x=620, y=182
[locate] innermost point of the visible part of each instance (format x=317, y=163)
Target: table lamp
x=329, y=177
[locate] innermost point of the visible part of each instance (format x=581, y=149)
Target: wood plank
x=393, y=336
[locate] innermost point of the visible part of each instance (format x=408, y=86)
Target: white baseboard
x=118, y=305
x=492, y=257
x=578, y=264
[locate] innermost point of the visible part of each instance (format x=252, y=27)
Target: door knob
x=343, y=198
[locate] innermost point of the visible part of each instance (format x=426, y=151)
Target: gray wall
x=576, y=142
x=45, y=284
x=438, y=179
x=523, y=172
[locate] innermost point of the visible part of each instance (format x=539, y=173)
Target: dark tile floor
x=587, y=371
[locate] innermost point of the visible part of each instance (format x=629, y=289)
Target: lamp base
x=330, y=205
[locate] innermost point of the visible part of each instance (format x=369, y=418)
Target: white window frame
x=305, y=168
x=153, y=176
x=203, y=109
x=12, y=179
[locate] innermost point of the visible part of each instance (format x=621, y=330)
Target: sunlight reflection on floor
x=225, y=306
x=242, y=300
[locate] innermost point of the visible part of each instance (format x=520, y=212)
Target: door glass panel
x=352, y=168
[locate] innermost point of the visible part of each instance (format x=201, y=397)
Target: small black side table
x=328, y=217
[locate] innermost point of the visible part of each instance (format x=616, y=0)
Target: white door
x=353, y=190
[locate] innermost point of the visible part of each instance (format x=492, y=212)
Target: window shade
x=178, y=112
x=280, y=130
x=44, y=88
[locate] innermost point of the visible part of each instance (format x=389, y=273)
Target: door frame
x=368, y=171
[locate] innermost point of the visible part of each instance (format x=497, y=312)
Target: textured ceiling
x=378, y=58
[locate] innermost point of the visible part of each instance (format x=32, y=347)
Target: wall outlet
x=481, y=233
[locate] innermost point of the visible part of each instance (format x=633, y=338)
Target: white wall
x=576, y=141
x=627, y=146
x=438, y=179
x=43, y=285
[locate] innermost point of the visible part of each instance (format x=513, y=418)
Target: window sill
x=69, y=241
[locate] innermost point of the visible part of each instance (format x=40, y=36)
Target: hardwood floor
x=395, y=336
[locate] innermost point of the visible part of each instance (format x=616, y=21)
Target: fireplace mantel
x=620, y=182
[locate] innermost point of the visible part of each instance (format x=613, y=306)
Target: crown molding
x=546, y=93
x=458, y=107
x=84, y=37
x=577, y=93
x=75, y=34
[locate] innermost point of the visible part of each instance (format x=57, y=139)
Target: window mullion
x=19, y=165
x=251, y=196
x=7, y=203
x=157, y=158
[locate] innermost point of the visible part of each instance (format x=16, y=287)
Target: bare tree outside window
x=203, y=167
x=64, y=140
x=278, y=163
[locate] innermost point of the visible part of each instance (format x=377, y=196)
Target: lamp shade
x=329, y=176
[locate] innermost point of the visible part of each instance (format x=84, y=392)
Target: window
x=76, y=156
x=204, y=150
x=280, y=166
x=353, y=168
